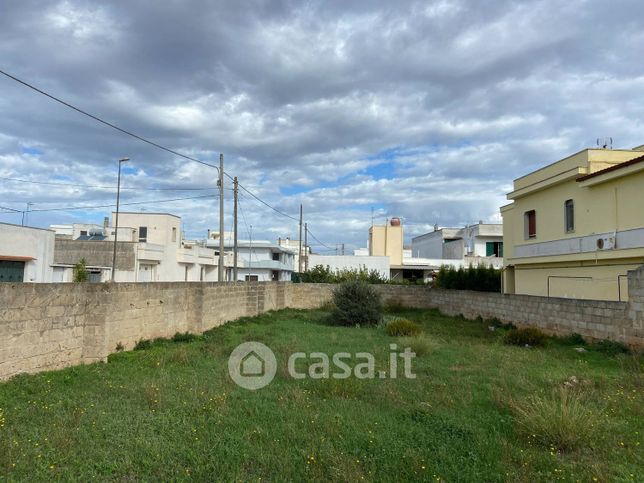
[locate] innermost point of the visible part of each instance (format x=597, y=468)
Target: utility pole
x=250, y=252
x=116, y=221
x=221, y=218
x=235, y=188
x=306, y=249
x=343, y=249
x=25, y=219
x=299, y=254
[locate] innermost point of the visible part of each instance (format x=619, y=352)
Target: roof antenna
x=605, y=143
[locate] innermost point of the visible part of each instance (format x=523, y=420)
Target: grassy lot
x=477, y=411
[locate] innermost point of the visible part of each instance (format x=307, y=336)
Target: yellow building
x=576, y=227
x=387, y=241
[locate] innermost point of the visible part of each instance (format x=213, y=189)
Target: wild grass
x=565, y=419
x=170, y=411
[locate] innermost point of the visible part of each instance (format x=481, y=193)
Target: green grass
x=171, y=411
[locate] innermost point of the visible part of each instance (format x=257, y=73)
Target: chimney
x=436, y=227
x=480, y=222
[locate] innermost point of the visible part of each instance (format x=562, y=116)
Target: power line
x=266, y=204
x=78, y=185
x=10, y=209
x=316, y=239
x=75, y=208
x=102, y=121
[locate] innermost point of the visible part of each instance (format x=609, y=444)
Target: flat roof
x=625, y=164
x=26, y=227
x=145, y=213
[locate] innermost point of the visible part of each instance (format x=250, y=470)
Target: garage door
x=11, y=271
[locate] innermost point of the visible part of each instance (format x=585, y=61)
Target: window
x=174, y=234
x=530, y=224
x=493, y=249
x=276, y=257
x=143, y=233
x=251, y=278
x=83, y=233
x=569, y=215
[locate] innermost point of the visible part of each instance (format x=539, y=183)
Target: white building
x=26, y=254
x=294, y=247
x=150, y=248
x=351, y=262
x=473, y=244
x=261, y=261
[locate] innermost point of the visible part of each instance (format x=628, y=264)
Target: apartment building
x=575, y=227
x=479, y=244
x=261, y=261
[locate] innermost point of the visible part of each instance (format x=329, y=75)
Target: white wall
x=22, y=241
x=350, y=262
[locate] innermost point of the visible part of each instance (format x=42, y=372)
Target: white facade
x=480, y=244
x=160, y=253
x=261, y=261
x=351, y=262
x=294, y=247
x=26, y=254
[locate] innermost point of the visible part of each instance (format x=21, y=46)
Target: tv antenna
x=605, y=143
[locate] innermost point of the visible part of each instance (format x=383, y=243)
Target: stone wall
x=50, y=326
x=97, y=253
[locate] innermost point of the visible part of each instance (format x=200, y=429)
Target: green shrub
x=574, y=339
x=80, y=272
x=528, y=336
x=610, y=347
x=483, y=279
x=356, y=303
x=324, y=274
x=419, y=345
x=565, y=420
x=399, y=327
x=143, y=344
x=183, y=337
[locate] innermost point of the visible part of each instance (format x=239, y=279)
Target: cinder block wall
x=50, y=326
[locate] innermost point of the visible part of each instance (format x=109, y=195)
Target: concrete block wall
x=50, y=326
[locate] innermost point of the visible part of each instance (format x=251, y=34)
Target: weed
x=565, y=420
x=120, y=347
x=419, y=345
x=180, y=356
x=573, y=339
x=399, y=327
x=143, y=344
x=610, y=347
x=529, y=336
x=184, y=337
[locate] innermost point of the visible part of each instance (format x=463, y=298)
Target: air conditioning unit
x=605, y=243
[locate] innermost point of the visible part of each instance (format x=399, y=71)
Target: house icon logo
x=252, y=365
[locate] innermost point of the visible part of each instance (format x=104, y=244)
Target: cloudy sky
x=422, y=110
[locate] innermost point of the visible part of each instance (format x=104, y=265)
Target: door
x=146, y=273
x=12, y=271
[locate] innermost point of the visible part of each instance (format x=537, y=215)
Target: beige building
x=387, y=241
x=575, y=227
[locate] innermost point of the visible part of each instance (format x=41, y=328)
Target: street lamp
x=116, y=221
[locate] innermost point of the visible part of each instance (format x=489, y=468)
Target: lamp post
x=116, y=221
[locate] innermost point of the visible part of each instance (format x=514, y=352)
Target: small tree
x=80, y=271
x=356, y=303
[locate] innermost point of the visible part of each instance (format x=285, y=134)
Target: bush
x=399, y=327
x=143, y=344
x=80, y=271
x=323, y=274
x=482, y=279
x=528, y=336
x=565, y=420
x=185, y=337
x=610, y=347
x=356, y=303
x=574, y=339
